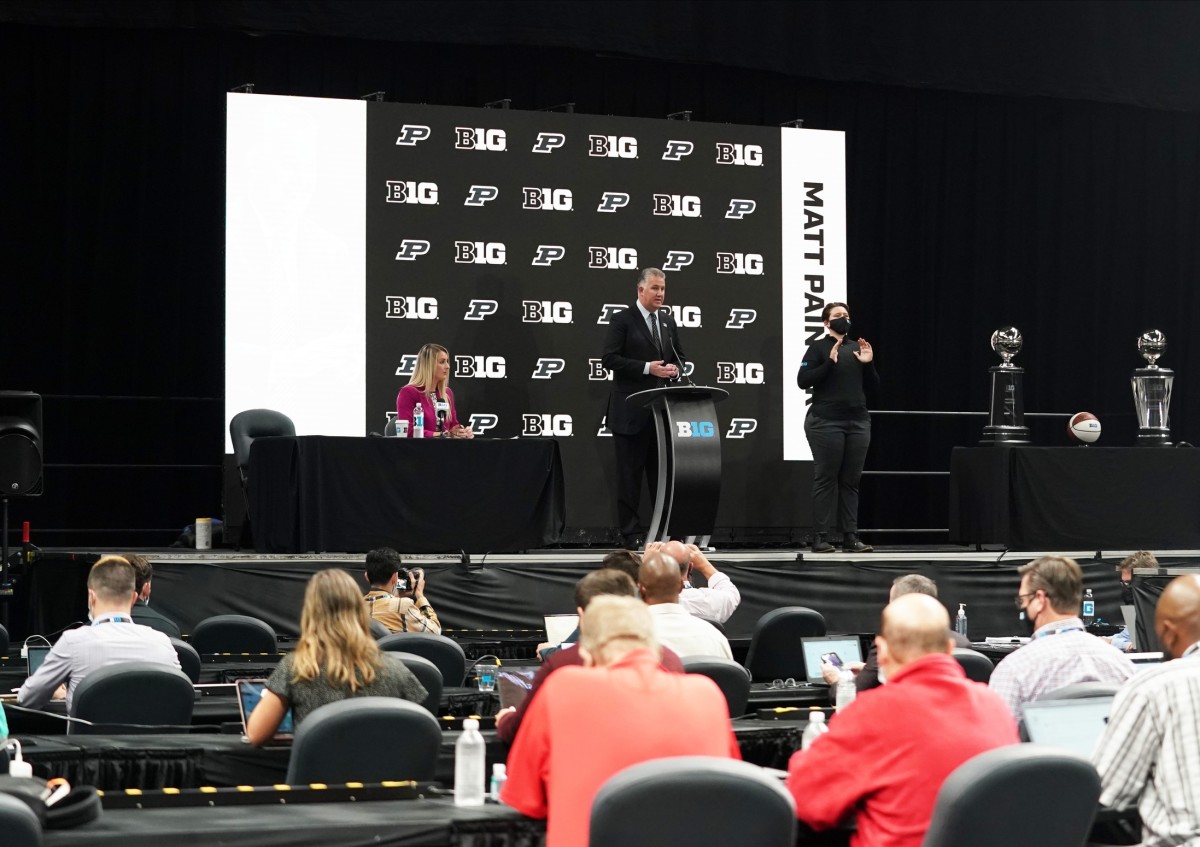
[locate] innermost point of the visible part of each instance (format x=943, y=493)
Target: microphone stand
x=678, y=359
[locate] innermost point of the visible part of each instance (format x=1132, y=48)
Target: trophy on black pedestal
x=1006, y=419
x=1152, y=392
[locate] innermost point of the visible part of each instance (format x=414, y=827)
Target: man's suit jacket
x=627, y=349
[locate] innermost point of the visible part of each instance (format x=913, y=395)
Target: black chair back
x=365, y=739
x=775, y=645
x=233, y=634
x=189, y=659
x=994, y=799
x=694, y=800
x=977, y=666
x=3, y=641
x=255, y=423
x=442, y=651
x=19, y=824
x=730, y=677
x=428, y=675
x=378, y=630
x=133, y=693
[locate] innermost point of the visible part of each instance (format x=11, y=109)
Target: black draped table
x=323, y=493
x=1076, y=498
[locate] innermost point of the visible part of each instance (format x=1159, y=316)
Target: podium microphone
x=443, y=410
x=666, y=321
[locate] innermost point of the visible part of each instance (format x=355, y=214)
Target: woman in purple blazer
x=428, y=388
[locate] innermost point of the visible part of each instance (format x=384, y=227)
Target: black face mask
x=1027, y=622
x=1126, y=594
x=840, y=325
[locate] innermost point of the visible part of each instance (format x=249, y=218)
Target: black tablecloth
x=323, y=493
x=1076, y=498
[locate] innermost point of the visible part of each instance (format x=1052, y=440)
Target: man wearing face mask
x=1061, y=652
x=837, y=369
x=1148, y=752
x=1123, y=640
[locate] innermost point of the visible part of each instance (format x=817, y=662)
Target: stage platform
x=494, y=600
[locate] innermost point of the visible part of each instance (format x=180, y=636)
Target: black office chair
x=428, y=675
x=365, y=739
x=1081, y=691
x=3, y=641
x=234, y=634
x=991, y=800
x=694, y=800
x=19, y=824
x=775, y=645
x=730, y=677
x=189, y=659
x=977, y=666
x=442, y=651
x=378, y=630
x=144, y=693
x=243, y=429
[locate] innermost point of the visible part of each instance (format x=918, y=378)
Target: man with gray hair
x=643, y=351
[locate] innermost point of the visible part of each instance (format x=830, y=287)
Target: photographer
x=397, y=595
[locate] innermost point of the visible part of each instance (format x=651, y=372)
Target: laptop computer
x=1073, y=725
x=34, y=655
x=514, y=685
x=1129, y=613
x=249, y=693
x=835, y=649
x=560, y=627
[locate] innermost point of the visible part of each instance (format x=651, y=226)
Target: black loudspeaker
x=20, y=444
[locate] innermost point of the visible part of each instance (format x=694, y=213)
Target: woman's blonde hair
x=423, y=374
x=335, y=634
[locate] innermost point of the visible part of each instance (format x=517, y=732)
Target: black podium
x=689, y=459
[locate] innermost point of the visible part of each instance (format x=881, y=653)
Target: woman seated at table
x=428, y=388
x=335, y=658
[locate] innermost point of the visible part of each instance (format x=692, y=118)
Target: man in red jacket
x=888, y=753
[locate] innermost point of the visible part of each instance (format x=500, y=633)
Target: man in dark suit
x=643, y=351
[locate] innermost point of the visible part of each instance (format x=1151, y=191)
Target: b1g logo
x=481, y=422
x=741, y=318
x=546, y=368
x=547, y=254
x=608, y=311
x=695, y=429
x=479, y=367
x=408, y=364
x=550, y=199
x=687, y=316
x=741, y=427
x=677, y=205
x=738, y=209
x=739, y=154
x=477, y=310
x=612, y=146
x=478, y=195
x=597, y=372
x=750, y=264
x=479, y=138
x=413, y=193
x=610, y=201
x=613, y=258
x=410, y=249
x=410, y=134
x=740, y=373
x=676, y=150
x=548, y=142
x=556, y=426
x=678, y=260
x=479, y=253
x=545, y=312
x=413, y=308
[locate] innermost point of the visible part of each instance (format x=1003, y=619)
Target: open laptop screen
x=836, y=649
x=1074, y=725
x=249, y=693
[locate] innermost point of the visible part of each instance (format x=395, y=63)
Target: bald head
x=677, y=551
x=659, y=578
x=913, y=626
x=1177, y=617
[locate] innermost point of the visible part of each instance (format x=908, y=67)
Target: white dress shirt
x=715, y=603
x=686, y=634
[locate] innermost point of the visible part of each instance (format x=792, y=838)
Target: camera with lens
x=407, y=579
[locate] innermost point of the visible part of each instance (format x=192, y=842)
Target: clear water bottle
x=846, y=690
x=816, y=726
x=418, y=422
x=499, y=777
x=960, y=620
x=469, y=770
x=1089, y=608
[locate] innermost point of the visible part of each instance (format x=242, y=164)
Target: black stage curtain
x=1077, y=221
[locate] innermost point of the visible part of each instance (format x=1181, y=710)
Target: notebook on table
x=1073, y=725
x=837, y=650
x=249, y=693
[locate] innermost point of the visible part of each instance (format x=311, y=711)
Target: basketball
x=1084, y=427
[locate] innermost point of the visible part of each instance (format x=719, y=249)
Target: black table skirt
x=1076, y=498
x=350, y=495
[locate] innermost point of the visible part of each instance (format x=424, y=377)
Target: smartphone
x=833, y=659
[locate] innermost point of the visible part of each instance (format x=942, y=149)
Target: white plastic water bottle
x=469, y=769
x=499, y=777
x=846, y=690
x=960, y=620
x=816, y=726
x=418, y=422
x=1089, y=608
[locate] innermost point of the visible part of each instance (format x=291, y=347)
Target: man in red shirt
x=888, y=753
x=588, y=723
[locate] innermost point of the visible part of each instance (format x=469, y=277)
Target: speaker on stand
x=20, y=467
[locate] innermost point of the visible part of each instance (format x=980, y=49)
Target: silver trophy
x=1152, y=392
x=1006, y=419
